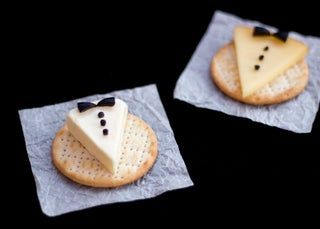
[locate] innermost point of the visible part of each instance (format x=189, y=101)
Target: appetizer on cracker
x=102, y=145
x=260, y=67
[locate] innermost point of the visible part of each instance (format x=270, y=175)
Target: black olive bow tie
x=281, y=35
x=83, y=106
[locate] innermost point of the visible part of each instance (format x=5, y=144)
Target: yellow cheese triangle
x=278, y=58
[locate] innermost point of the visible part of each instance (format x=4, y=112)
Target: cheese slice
x=278, y=58
x=87, y=129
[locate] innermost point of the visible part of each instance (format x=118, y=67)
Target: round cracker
x=138, y=154
x=224, y=72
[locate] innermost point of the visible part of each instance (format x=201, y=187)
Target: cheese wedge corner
x=261, y=59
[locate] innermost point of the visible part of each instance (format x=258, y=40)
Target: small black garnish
x=100, y=114
x=266, y=48
x=261, y=57
x=103, y=122
x=257, y=67
x=83, y=106
x=107, y=102
x=281, y=35
x=105, y=132
x=260, y=31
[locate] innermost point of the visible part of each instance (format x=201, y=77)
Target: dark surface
x=68, y=52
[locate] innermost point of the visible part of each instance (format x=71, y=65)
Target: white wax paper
x=196, y=87
x=57, y=194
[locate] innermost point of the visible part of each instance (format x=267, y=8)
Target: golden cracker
x=224, y=72
x=138, y=154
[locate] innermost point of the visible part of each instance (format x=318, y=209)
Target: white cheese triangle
x=279, y=57
x=87, y=129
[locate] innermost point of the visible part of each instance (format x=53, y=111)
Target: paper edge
x=186, y=183
x=186, y=186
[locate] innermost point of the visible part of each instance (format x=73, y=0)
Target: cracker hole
x=62, y=139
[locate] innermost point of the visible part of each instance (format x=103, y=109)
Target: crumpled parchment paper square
x=57, y=194
x=196, y=87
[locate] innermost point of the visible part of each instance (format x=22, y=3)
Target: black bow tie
x=281, y=35
x=83, y=106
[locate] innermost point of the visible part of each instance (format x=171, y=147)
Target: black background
x=239, y=167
